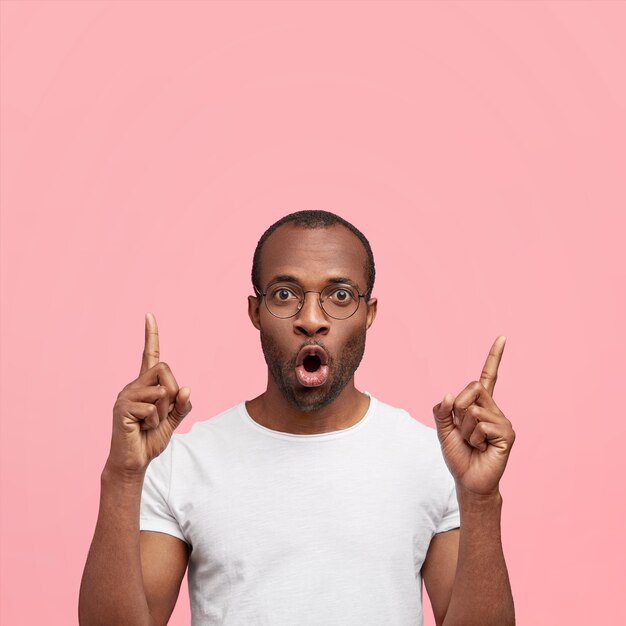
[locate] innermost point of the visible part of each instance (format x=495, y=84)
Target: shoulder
x=220, y=426
x=398, y=421
x=399, y=431
x=205, y=437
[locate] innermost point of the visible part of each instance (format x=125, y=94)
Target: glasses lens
x=283, y=299
x=340, y=301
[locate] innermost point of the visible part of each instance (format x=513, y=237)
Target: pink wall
x=481, y=147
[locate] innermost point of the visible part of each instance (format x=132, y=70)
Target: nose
x=311, y=319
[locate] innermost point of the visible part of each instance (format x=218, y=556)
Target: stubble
x=307, y=399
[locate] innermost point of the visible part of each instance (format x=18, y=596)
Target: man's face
x=311, y=356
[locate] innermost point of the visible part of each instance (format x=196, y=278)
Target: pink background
x=480, y=146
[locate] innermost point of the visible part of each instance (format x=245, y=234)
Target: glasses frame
x=301, y=302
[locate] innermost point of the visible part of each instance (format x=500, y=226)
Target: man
x=313, y=504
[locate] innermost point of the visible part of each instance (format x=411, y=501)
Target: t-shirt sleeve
x=450, y=518
x=155, y=512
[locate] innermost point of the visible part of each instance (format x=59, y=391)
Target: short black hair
x=315, y=219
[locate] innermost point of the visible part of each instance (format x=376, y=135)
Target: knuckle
x=488, y=375
x=124, y=391
x=476, y=437
x=476, y=385
x=163, y=366
x=473, y=411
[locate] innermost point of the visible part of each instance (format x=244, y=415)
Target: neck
x=272, y=410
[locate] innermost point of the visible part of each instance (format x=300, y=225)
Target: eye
x=342, y=295
x=283, y=294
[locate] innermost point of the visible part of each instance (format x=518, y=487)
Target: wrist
x=114, y=475
x=473, y=501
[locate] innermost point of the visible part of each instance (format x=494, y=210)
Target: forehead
x=313, y=255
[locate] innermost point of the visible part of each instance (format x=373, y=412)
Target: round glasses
x=339, y=301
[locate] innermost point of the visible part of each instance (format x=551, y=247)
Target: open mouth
x=311, y=363
x=312, y=366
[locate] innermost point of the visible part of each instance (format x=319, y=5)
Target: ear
x=253, y=311
x=372, y=306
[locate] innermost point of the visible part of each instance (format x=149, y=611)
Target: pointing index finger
x=151, y=354
x=489, y=375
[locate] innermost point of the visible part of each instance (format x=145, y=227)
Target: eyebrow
x=286, y=278
x=283, y=278
x=343, y=280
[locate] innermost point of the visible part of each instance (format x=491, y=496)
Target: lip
x=317, y=351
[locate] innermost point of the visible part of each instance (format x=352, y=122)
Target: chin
x=307, y=399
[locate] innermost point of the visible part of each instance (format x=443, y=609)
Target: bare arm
x=476, y=439
x=465, y=572
x=131, y=579
x=163, y=562
x=481, y=593
x=439, y=569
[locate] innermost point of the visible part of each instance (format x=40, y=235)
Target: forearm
x=481, y=594
x=112, y=590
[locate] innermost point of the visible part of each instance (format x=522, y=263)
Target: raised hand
x=147, y=410
x=475, y=436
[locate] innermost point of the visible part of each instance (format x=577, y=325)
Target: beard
x=308, y=399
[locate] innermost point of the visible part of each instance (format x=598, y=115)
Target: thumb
x=442, y=413
x=182, y=407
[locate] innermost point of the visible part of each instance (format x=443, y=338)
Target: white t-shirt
x=309, y=530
